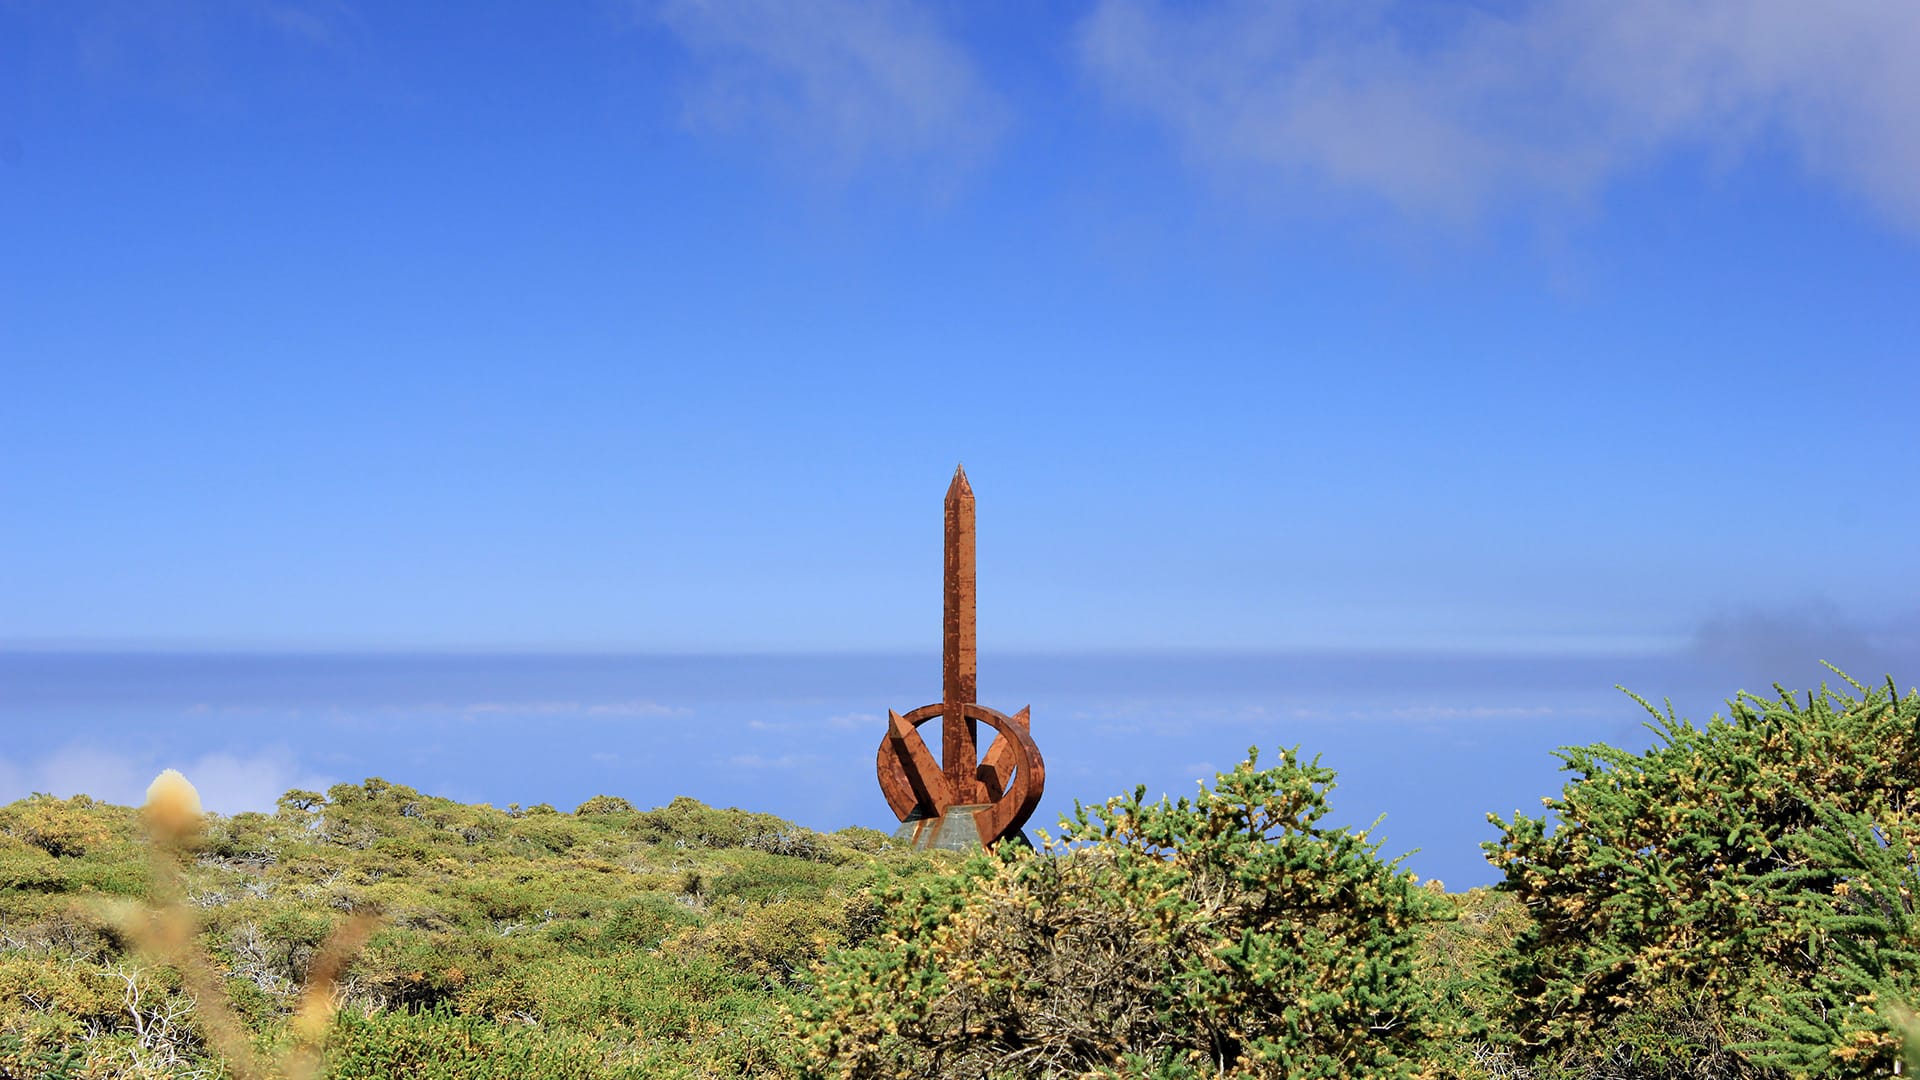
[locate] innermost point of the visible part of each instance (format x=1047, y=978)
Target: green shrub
x=863, y=840
x=1852, y=1015
x=57, y=928
x=604, y=804
x=1457, y=962
x=1233, y=934
x=438, y=1045
x=777, y=942
x=641, y=923
x=255, y=1007
x=27, y=867
x=68, y=989
x=38, y=1053
x=246, y=837
x=1682, y=883
x=62, y=828
x=687, y=822
x=760, y=878
x=549, y=832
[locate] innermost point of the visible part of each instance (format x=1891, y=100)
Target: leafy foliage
x=1697, y=880
x=1863, y=945
x=1231, y=934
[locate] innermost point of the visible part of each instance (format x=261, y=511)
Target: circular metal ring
x=1016, y=802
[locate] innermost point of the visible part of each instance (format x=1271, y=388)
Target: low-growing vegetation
x=604, y=942
x=1736, y=901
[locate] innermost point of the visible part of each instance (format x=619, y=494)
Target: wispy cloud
x=323, y=23
x=838, y=86
x=637, y=709
x=874, y=721
x=180, y=49
x=448, y=711
x=1442, y=113
x=783, y=762
x=1479, y=712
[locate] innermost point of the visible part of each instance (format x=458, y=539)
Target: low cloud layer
x=837, y=86
x=1447, y=111
x=228, y=783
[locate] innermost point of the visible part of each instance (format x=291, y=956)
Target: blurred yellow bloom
x=173, y=808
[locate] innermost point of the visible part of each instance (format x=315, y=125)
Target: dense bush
x=40, y=1053
x=1851, y=1013
x=604, y=804
x=444, y=1046
x=1231, y=934
x=1718, y=884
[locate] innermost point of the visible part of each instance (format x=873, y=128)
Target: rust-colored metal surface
x=959, y=658
x=996, y=792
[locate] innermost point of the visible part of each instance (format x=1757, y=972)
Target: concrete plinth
x=952, y=831
x=955, y=831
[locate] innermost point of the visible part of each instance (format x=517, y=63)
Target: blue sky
x=1502, y=329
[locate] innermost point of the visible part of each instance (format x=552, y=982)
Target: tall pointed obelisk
x=983, y=799
x=959, y=656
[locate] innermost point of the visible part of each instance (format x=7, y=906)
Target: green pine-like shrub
x=1230, y=934
x=1707, y=901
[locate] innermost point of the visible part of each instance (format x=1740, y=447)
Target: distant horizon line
x=1564, y=647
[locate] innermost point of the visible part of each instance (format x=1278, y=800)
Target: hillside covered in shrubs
x=1736, y=901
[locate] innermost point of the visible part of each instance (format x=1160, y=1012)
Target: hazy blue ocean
x=1433, y=742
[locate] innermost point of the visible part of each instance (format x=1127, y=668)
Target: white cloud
x=1554, y=98
x=636, y=709
x=228, y=783
x=324, y=24
x=838, y=85
x=1480, y=712
x=781, y=761
x=103, y=774
x=876, y=722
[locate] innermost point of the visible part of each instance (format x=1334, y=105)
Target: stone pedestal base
x=952, y=831
x=955, y=830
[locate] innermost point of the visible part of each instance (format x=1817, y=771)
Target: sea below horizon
x=1433, y=741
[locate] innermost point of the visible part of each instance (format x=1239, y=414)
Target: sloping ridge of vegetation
x=1736, y=901
x=518, y=943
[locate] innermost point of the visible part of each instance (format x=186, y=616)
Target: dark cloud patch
x=1789, y=645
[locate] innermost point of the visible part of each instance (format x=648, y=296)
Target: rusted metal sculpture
x=964, y=797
